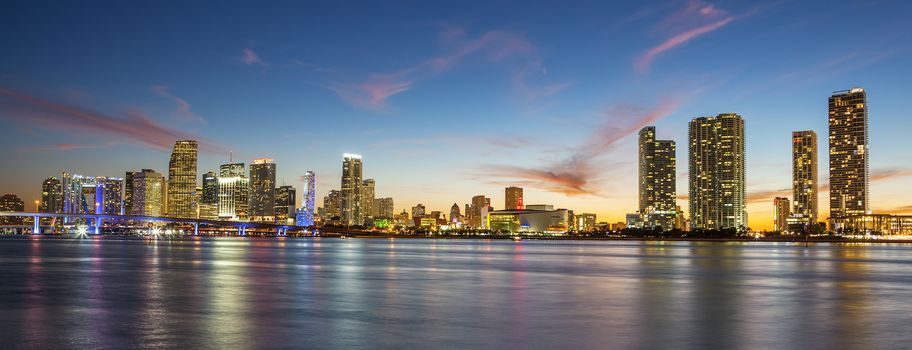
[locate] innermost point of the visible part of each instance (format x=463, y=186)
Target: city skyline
x=566, y=135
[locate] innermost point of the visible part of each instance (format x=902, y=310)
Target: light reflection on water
x=327, y=293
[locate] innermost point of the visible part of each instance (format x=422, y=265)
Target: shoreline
x=522, y=238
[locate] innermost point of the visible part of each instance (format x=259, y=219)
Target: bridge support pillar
x=241, y=231
x=36, y=229
x=98, y=224
x=196, y=229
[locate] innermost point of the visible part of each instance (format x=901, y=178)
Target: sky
x=447, y=100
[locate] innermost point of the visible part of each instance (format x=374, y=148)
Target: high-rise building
x=234, y=192
x=716, y=174
x=781, y=213
x=109, y=197
x=804, y=176
x=849, y=180
x=332, y=204
x=51, y=196
x=285, y=204
x=455, y=215
x=182, y=180
x=656, y=180
x=262, y=189
x=148, y=189
x=128, y=192
x=305, y=215
x=368, y=188
x=351, y=190
x=210, y=188
x=479, y=203
x=419, y=211
x=11, y=202
x=384, y=208
x=75, y=188
x=513, y=198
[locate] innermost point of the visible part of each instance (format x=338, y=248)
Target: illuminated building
x=418, y=211
x=455, y=215
x=584, y=222
x=234, y=192
x=716, y=172
x=848, y=121
x=479, y=203
x=182, y=180
x=128, y=192
x=656, y=177
x=513, y=198
x=51, y=196
x=284, y=210
x=262, y=190
x=305, y=215
x=11, y=202
x=540, y=207
x=351, y=190
x=148, y=189
x=804, y=176
x=92, y=195
x=108, y=195
x=332, y=204
x=368, y=187
x=781, y=212
x=384, y=207
x=884, y=224
x=210, y=188
x=528, y=221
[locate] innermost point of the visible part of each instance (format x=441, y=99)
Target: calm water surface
x=420, y=294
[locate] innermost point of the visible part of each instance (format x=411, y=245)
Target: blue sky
x=446, y=100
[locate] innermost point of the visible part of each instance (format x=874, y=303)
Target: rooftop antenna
x=230, y=156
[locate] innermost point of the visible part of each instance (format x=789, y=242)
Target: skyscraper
x=332, y=204
x=804, y=176
x=781, y=213
x=11, y=202
x=454, y=213
x=148, y=188
x=513, y=198
x=716, y=174
x=848, y=120
x=108, y=195
x=479, y=204
x=305, y=216
x=262, y=189
x=128, y=192
x=210, y=188
x=368, y=188
x=351, y=190
x=75, y=188
x=234, y=192
x=656, y=180
x=182, y=180
x=418, y=211
x=384, y=208
x=285, y=197
x=51, y=196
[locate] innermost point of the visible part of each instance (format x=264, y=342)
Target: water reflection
x=329, y=293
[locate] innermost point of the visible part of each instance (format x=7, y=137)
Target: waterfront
x=420, y=293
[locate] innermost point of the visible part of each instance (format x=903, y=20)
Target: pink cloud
x=66, y=147
x=521, y=82
x=577, y=174
x=249, y=57
x=379, y=87
x=644, y=61
x=183, y=107
x=136, y=128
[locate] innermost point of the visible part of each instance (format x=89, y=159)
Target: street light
x=37, y=202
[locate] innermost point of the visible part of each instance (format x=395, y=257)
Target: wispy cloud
x=535, y=70
x=877, y=175
x=66, y=147
x=136, y=128
x=694, y=20
x=183, y=107
x=494, y=46
x=577, y=174
x=250, y=57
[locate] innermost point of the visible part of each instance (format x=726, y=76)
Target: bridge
x=97, y=222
